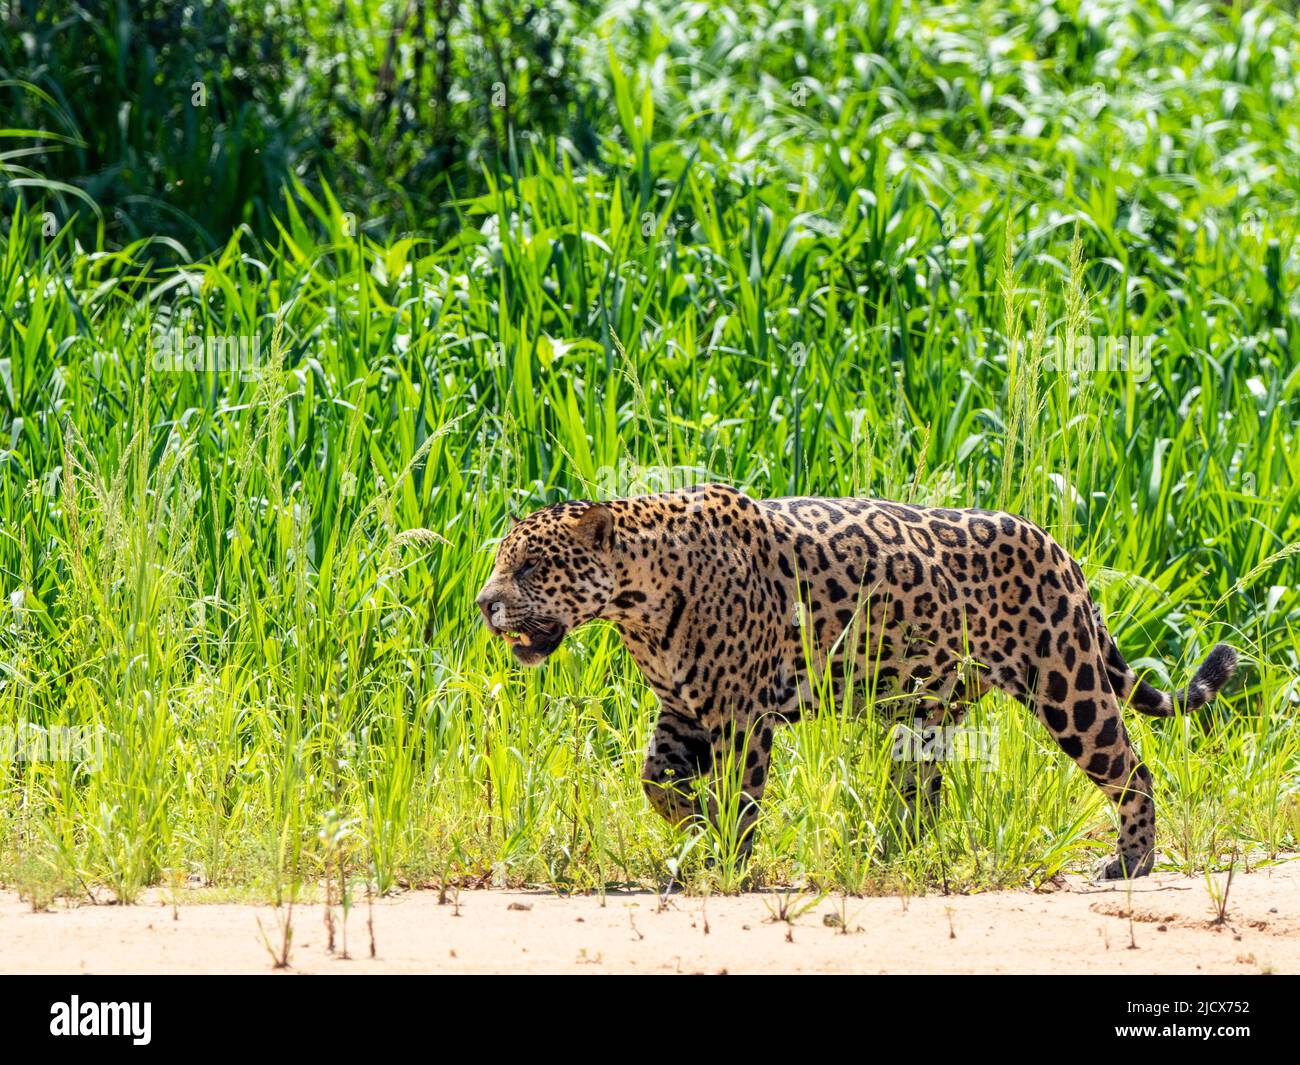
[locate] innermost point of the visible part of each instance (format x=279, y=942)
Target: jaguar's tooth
x=525, y=640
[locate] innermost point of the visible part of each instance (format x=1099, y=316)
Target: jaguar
x=735, y=609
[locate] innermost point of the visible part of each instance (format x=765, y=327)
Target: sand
x=1165, y=923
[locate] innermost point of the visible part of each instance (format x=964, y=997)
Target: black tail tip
x=1218, y=668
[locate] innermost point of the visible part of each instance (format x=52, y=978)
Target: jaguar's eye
x=525, y=569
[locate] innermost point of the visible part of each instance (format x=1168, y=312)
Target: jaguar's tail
x=1217, y=669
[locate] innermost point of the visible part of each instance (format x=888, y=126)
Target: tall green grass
x=823, y=250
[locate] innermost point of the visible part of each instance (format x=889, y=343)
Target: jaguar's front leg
x=743, y=792
x=731, y=762
x=681, y=751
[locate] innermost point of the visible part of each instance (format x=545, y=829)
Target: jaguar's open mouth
x=534, y=641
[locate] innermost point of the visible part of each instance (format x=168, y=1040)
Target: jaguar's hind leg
x=1136, y=853
x=1082, y=713
x=922, y=745
x=919, y=750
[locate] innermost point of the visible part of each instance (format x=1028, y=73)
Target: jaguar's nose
x=487, y=602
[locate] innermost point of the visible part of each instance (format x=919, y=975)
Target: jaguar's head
x=553, y=572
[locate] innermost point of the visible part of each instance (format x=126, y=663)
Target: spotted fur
x=731, y=607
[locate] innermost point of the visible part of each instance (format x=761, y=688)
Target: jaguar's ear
x=595, y=526
x=513, y=518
